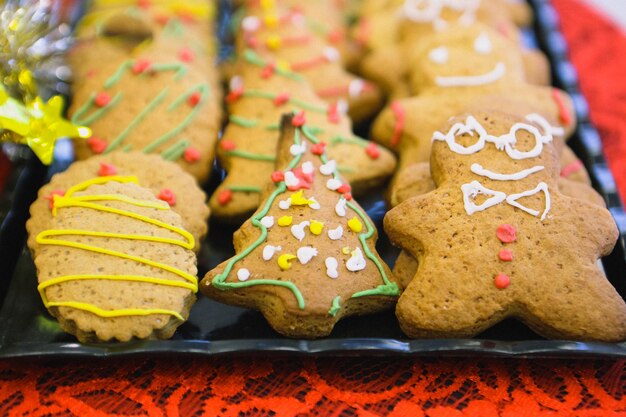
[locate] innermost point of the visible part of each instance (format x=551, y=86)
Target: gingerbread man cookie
x=307, y=257
x=497, y=239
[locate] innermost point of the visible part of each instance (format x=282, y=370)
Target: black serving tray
x=27, y=330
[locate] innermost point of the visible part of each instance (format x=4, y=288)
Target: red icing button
x=194, y=99
x=162, y=19
x=234, y=95
x=225, y=197
x=102, y=99
x=505, y=255
x=502, y=281
x=168, y=196
x=318, y=148
x=299, y=119
x=281, y=99
x=335, y=36
x=506, y=233
x=252, y=42
x=372, y=150
x=400, y=116
x=186, y=55
x=144, y=4
x=227, y=145
x=106, y=169
x=347, y=196
x=141, y=66
x=333, y=113
x=268, y=71
x=344, y=188
x=50, y=197
x=278, y=176
x=97, y=145
x=191, y=154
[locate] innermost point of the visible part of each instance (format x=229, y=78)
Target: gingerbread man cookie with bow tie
x=497, y=239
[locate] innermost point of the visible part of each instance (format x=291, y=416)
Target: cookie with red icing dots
x=145, y=80
x=257, y=99
x=307, y=257
x=285, y=37
x=167, y=181
x=498, y=239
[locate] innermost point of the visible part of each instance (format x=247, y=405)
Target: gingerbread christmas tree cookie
x=306, y=258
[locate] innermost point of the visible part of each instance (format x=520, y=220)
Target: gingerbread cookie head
x=466, y=57
x=498, y=239
x=307, y=257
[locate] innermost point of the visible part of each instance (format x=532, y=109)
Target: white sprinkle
x=297, y=230
x=269, y=251
x=340, y=207
x=314, y=204
x=284, y=204
x=355, y=88
x=333, y=184
x=308, y=168
x=267, y=221
x=331, y=54
x=329, y=167
x=243, y=274
x=305, y=254
x=356, y=261
x=336, y=233
x=331, y=267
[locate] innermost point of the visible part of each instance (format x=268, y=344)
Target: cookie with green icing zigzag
x=307, y=257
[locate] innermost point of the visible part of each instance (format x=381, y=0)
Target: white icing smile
x=472, y=80
x=479, y=170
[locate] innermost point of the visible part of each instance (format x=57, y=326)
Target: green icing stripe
x=176, y=150
x=180, y=69
x=96, y=114
x=251, y=155
x=203, y=89
x=353, y=140
x=307, y=106
x=242, y=121
x=219, y=280
x=185, y=96
x=251, y=56
x=117, y=76
x=260, y=94
x=137, y=120
x=245, y=188
x=173, y=27
x=335, y=306
x=274, y=126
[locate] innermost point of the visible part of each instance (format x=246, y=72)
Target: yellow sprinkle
x=273, y=42
x=297, y=199
x=285, y=221
x=283, y=65
x=268, y=4
x=284, y=261
x=345, y=250
x=355, y=225
x=271, y=20
x=316, y=227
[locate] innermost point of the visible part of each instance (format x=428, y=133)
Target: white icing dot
x=331, y=54
x=308, y=167
x=314, y=204
x=342, y=106
x=285, y=204
x=340, y=207
x=296, y=149
x=439, y=55
x=298, y=20
x=482, y=44
x=267, y=221
x=251, y=23
x=355, y=88
x=235, y=82
x=333, y=184
x=356, y=261
x=331, y=267
x=336, y=233
x=329, y=167
x=297, y=230
x=243, y=274
x=290, y=179
x=269, y=251
x=305, y=254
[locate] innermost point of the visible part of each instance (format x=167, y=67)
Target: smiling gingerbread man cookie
x=497, y=239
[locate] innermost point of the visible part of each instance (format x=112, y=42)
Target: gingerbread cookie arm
x=412, y=181
x=536, y=67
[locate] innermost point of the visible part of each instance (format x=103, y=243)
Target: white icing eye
x=251, y=24
x=439, y=55
x=482, y=44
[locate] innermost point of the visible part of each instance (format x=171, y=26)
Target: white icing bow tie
x=474, y=188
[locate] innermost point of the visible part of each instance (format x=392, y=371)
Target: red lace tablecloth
x=257, y=386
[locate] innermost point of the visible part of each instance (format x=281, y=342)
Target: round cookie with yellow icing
x=115, y=263
x=167, y=181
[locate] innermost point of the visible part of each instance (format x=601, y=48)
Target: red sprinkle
x=194, y=99
x=50, y=197
x=168, y=196
x=502, y=281
x=96, y=144
x=102, y=99
x=400, y=115
x=299, y=119
x=318, y=148
x=227, y=145
x=347, y=196
x=278, y=176
x=107, y=169
x=505, y=255
x=506, y=233
x=333, y=113
x=372, y=150
x=225, y=197
x=144, y=4
x=564, y=116
x=252, y=42
x=141, y=66
x=234, y=95
x=281, y=99
x=335, y=36
x=186, y=55
x=344, y=188
x=162, y=19
x=569, y=169
x=268, y=70
x=191, y=155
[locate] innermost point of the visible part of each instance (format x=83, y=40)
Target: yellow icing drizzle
x=48, y=237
